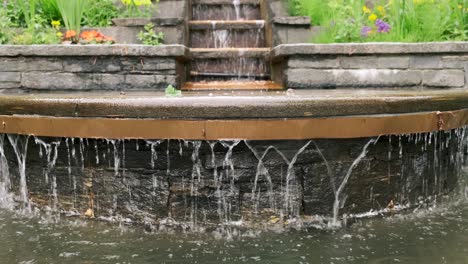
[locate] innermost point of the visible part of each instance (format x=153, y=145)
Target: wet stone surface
x=211, y=183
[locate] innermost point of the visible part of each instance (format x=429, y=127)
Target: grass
x=408, y=20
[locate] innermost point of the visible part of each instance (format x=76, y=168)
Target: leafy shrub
x=5, y=24
x=137, y=8
x=149, y=36
x=100, y=13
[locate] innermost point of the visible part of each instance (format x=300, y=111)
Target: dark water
x=439, y=235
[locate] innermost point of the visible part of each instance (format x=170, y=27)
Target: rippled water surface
x=438, y=236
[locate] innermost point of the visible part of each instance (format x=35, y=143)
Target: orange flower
x=70, y=34
x=95, y=36
x=89, y=35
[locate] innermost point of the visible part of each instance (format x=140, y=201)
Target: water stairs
x=228, y=47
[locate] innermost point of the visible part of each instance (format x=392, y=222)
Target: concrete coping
x=93, y=50
x=374, y=48
x=303, y=21
x=140, y=22
x=236, y=105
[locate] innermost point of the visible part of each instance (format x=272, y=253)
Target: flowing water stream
x=225, y=201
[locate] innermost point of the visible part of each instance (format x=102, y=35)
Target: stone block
x=139, y=82
x=10, y=76
x=314, y=62
x=284, y=34
x=54, y=81
x=426, y=62
x=308, y=78
x=92, y=64
x=358, y=62
x=444, y=78
x=148, y=64
x=171, y=8
x=30, y=64
x=393, y=62
x=10, y=85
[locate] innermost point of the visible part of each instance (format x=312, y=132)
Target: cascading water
x=231, y=182
x=219, y=26
x=6, y=196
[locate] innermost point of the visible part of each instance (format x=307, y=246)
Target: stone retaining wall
x=90, y=67
x=390, y=65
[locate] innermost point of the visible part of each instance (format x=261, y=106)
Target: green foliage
x=171, y=91
x=408, y=20
x=100, y=13
x=72, y=13
x=137, y=8
x=5, y=23
x=48, y=9
x=15, y=14
x=149, y=36
x=28, y=9
x=30, y=37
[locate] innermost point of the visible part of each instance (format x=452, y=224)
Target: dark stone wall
x=89, y=67
x=245, y=180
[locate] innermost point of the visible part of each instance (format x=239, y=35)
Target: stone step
x=229, y=64
x=226, y=10
x=236, y=53
x=227, y=34
x=225, y=2
x=231, y=85
x=226, y=24
x=230, y=68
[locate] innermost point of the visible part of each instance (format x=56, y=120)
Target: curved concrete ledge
x=201, y=117
x=93, y=50
x=239, y=105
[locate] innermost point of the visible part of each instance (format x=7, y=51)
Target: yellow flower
x=460, y=7
x=137, y=2
x=372, y=17
x=56, y=24
x=59, y=34
x=381, y=10
x=366, y=10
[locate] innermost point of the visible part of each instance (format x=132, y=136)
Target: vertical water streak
x=195, y=182
x=51, y=151
x=336, y=203
x=6, y=196
x=236, y=4
x=20, y=147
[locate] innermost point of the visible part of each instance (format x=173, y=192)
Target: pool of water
x=439, y=235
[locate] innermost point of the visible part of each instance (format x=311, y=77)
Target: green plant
x=28, y=9
x=49, y=10
x=149, y=36
x=72, y=14
x=172, y=91
x=5, y=23
x=385, y=20
x=137, y=8
x=100, y=13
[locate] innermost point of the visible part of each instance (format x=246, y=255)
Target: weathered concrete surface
x=90, y=67
x=284, y=29
x=191, y=182
x=92, y=50
x=371, y=48
x=371, y=65
x=217, y=105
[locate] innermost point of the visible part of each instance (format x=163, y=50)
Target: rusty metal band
x=250, y=129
